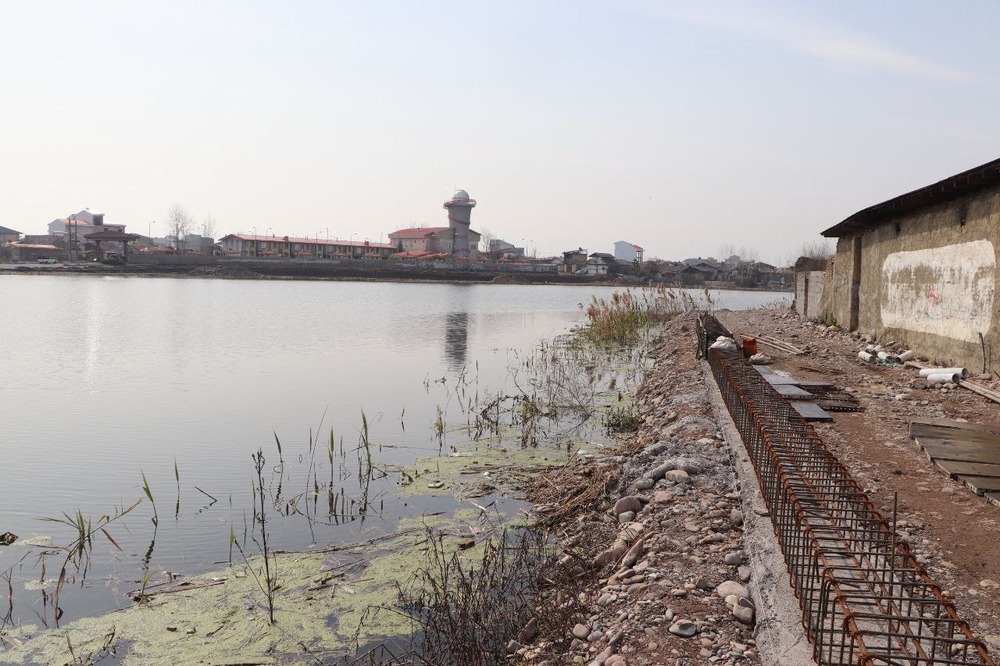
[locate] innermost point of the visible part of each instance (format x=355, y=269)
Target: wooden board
x=929, y=426
x=956, y=468
x=810, y=411
x=939, y=449
x=780, y=380
x=968, y=452
x=981, y=484
x=790, y=392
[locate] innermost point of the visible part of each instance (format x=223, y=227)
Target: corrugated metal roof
x=967, y=182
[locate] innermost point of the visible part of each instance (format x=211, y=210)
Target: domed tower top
x=460, y=198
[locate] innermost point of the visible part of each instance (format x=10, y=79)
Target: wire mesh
x=863, y=596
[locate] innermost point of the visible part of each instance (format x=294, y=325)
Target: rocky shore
x=679, y=565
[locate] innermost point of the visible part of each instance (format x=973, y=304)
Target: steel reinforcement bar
x=864, y=598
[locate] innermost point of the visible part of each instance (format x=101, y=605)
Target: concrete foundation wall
x=809, y=293
x=927, y=279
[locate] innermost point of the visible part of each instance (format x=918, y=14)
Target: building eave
x=967, y=182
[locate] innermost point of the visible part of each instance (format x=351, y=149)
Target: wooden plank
x=811, y=411
x=780, y=380
x=792, y=392
x=924, y=430
x=961, y=451
x=957, y=425
x=981, y=484
x=993, y=498
x=969, y=468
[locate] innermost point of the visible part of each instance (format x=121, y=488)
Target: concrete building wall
x=809, y=293
x=927, y=279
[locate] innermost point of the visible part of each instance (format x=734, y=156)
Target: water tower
x=459, y=218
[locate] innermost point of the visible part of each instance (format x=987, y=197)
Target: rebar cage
x=863, y=596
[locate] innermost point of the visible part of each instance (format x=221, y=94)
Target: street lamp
x=149, y=231
x=255, y=241
x=352, y=243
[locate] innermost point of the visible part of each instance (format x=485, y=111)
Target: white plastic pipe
x=865, y=356
x=961, y=372
x=907, y=355
x=943, y=377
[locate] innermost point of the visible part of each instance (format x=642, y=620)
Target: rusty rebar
x=863, y=596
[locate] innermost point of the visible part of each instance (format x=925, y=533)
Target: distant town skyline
x=681, y=127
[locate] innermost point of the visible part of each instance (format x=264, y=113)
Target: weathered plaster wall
x=837, y=286
x=809, y=293
x=929, y=280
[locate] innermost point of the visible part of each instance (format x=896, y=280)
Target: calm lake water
x=105, y=379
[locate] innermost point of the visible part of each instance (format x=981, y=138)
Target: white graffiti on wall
x=946, y=291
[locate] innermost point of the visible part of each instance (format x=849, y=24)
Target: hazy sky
x=683, y=127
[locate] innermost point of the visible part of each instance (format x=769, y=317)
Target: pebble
x=734, y=559
x=677, y=476
x=729, y=587
x=626, y=516
x=743, y=573
x=529, y=631
x=683, y=628
x=644, y=484
x=581, y=631
x=743, y=614
x=629, y=503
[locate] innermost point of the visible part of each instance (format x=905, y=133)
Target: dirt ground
x=952, y=531
x=700, y=528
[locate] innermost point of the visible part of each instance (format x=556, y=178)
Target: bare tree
x=817, y=249
x=208, y=227
x=486, y=239
x=179, y=222
x=727, y=250
x=748, y=254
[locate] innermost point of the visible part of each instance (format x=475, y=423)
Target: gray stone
x=657, y=472
x=743, y=614
x=513, y=647
x=683, y=628
x=734, y=558
x=736, y=517
x=743, y=573
x=529, y=631
x=644, y=484
x=628, y=503
x=626, y=516
x=581, y=631
x=677, y=476
x=731, y=587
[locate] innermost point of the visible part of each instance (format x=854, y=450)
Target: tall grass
x=629, y=315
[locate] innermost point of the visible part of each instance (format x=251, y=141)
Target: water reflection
x=456, y=339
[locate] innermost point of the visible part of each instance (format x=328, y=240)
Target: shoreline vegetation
x=363, y=271
x=474, y=586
